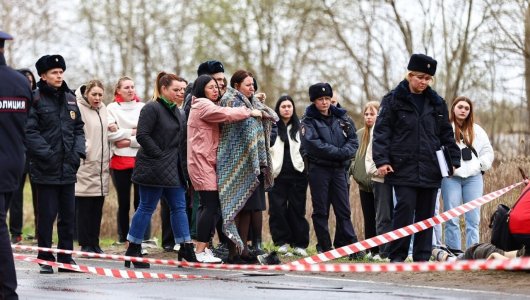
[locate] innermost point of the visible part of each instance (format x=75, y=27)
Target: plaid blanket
x=242, y=154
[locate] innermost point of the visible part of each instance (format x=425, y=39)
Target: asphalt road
x=232, y=285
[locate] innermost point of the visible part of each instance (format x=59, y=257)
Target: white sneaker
x=378, y=258
x=177, y=247
x=207, y=257
x=283, y=249
x=300, y=251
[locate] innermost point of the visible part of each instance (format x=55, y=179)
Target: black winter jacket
x=15, y=99
x=408, y=141
x=162, y=134
x=328, y=141
x=54, y=135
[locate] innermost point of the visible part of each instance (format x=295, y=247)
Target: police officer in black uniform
x=412, y=125
x=329, y=142
x=15, y=98
x=56, y=142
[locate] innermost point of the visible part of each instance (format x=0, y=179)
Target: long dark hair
x=294, y=122
x=199, y=85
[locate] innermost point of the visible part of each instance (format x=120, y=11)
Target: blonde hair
x=416, y=73
x=365, y=139
x=91, y=84
x=120, y=81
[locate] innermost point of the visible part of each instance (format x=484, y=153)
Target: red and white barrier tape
x=308, y=264
x=405, y=231
x=108, y=272
x=522, y=263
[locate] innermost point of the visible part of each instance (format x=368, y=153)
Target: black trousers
x=8, y=276
x=368, y=206
x=168, y=240
x=122, y=182
x=56, y=202
x=413, y=203
x=89, y=211
x=287, y=222
x=322, y=181
x=207, y=215
x=384, y=210
x=16, y=209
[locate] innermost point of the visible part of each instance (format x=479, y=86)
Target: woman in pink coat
x=203, y=139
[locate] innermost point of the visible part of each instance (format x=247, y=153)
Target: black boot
x=136, y=251
x=257, y=247
x=187, y=253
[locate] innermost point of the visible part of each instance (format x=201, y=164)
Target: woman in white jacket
x=93, y=175
x=466, y=184
x=287, y=199
x=124, y=113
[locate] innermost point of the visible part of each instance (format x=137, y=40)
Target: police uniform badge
x=72, y=114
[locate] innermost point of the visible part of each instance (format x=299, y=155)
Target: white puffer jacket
x=93, y=173
x=483, y=147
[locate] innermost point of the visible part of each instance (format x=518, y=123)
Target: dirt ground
x=500, y=281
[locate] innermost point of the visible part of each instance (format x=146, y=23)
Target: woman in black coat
x=160, y=168
x=412, y=125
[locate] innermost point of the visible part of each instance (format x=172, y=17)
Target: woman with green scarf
x=160, y=168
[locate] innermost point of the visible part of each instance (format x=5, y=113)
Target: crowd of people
x=210, y=150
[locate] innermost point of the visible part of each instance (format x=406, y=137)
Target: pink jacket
x=203, y=140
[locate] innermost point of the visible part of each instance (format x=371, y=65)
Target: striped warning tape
x=522, y=263
x=299, y=265
x=405, y=231
x=108, y=272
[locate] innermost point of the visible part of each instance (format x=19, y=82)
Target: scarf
x=167, y=102
x=242, y=154
x=119, y=99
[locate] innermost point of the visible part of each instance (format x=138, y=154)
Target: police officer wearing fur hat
x=56, y=143
x=412, y=125
x=15, y=98
x=329, y=142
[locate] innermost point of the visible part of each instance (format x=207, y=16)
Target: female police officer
x=412, y=125
x=329, y=142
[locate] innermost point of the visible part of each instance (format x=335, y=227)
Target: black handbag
x=500, y=231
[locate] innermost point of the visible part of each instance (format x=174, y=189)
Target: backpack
x=500, y=230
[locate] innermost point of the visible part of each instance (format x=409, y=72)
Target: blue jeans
x=456, y=191
x=149, y=197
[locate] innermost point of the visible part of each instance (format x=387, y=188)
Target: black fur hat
x=210, y=67
x=48, y=62
x=422, y=63
x=320, y=89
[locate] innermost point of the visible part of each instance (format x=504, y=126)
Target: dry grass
x=504, y=173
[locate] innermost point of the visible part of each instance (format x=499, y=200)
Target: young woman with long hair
x=467, y=183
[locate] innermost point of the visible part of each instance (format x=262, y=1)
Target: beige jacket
x=371, y=169
x=93, y=173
